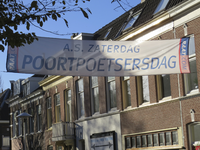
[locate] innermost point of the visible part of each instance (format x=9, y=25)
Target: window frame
x=142, y=140
x=57, y=107
x=49, y=112
x=94, y=100
x=186, y=77
x=107, y=33
x=162, y=6
x=39, y=118
x=140, y=89
x=126, y=91
x=160, y=87
x=31, y=120
x=80, y=102
x=132, y=16
x=68, y=105
x=109, y=101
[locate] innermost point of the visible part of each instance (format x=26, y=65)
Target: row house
x=118, y=113
x=156, y=111
x=4, y=121
x=26, y=97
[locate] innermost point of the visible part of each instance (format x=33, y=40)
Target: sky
x=103, y=12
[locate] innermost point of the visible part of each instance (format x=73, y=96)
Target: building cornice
x=53, y=81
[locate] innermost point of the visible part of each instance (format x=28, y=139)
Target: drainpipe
x=179, y=95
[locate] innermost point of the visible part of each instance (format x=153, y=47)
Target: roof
x=146, y=10
x=3, y=97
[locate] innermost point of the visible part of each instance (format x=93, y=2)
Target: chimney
x=142, y=1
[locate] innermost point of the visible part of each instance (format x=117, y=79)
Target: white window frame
x=94, y=100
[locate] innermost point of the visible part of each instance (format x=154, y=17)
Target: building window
x=50, y=147
x=151, y=140
x=107, y=33
x=163, y=86
x=68, y=105
x=39, y=118
x=25, y=126
x=14, y=124
x=31, y=120
x=143, y=89
x=94, y=94
x=190, y=79
x=161, y=6
x=111, y=93
x=19, y=124
x=126, y=92
x=80, y=98
x=26, y=89
x=57, y=107
x=131, y=21
x=49, y=113
x=194, y=133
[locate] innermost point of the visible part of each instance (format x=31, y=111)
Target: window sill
x=168, y=98
x=113, y=110
x=144, y=104
x=195, y=91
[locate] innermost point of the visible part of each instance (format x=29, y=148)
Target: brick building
x=123, y=113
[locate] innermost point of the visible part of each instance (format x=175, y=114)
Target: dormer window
x=131, y=21
x=105, y=37
x=161, y=6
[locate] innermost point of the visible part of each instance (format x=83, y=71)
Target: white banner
x=52, y=56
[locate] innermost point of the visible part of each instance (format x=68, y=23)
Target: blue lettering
x=66, y=47
x=126, y=64
x=152, y=60
x=80, y=63
x=163, y=62
x=123, y=46
x=78, y=48
x=47, y=62
x=109, y=47
x=100, y=64
x=136, y=64
x=97, y=48
x=110, y=62
x=116, y=47
x=61, y=62
x=145, y=63
x=137, y=49
x=116, y=62
x=130, y=49
x=91, y=46
x=71, y=62
x=173, y=62
x=103, y=47
x=27, y=60
x=94, y=66
x=41, y=62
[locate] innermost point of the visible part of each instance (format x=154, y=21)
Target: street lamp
x=24, y=115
